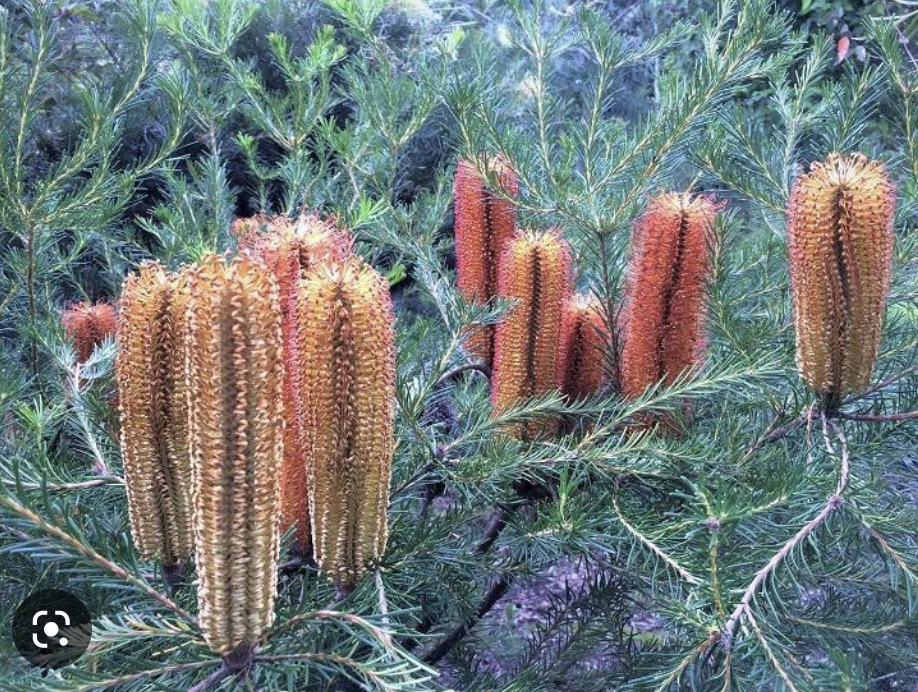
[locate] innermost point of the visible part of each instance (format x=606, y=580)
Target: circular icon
x=52, y=628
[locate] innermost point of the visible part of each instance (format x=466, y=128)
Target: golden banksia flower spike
x=154, y=435
x=288, y=248
x=587, y=339
x=484, y=224
x=347, y=365
x=840, y=239
x=88, y=325
x=664, y=331
x=236, y=426
x=530, y=356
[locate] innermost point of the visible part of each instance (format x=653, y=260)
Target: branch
x=79, y=485
x=879, y=417
x=834, y=502
x=453, y=373
x=491, y=597
x=99, y=559
x=659, y=552
x=883, y=384
x=144, y=674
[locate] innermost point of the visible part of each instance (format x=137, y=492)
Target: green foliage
x=770, y=547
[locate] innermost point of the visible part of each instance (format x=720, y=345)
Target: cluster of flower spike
x=663, y=333
x=840, y=245
x=288, y=249
x=347, y=365
x=88, y=325
x=485, y=222
x=530, y=355
x=154, y=432
x=273, y=371
x=235, y=430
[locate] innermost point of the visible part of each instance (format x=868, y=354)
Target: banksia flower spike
x=530, y=355
x=670, y=268
x=586, y=340
x=236, y=425
x=347, y=365
x=288, y=249
x=88, y=325
x=484, y=224
x=154, y=435
x=840, y=239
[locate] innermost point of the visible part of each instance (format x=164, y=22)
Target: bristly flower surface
x=150, y=371
x=288, y=248
x=88, y=325
x=530, y=357
x=669, y=272
x=347, y=365
x=840, y=241
x=236, y=425
x=586, y=339
x=485, y=222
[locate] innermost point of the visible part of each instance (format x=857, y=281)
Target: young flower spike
x=88, y=325
x=288, y=248
x=586, y=340
x=154, y=436
x=530, y=355
x=840, y=239
x=670, y=268
x=484, y=224
x=347, y=364
x=235, y=398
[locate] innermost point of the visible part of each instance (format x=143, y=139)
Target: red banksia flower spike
x=530, y=357
x=663, y=332
x=235, y=372
x=288, y=248
x=88, y=325
x=154, y=434
x=840, y=242
x=587, y=339
x=347, y=364
x=484, y=224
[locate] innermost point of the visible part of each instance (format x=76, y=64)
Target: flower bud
x=347, y=366
x=840, y=241
x=236, y=426
x=154, y=434
x=530, y=355
x=484, y=224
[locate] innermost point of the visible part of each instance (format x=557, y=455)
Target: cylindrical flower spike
x=664, y=335
x=288, y=249
x=530, y=355
x=154, y=434
x=587, y=339
x=236, y=425
x=347, y=365
x=88, y=325
x=840, y=238
x=484, y=224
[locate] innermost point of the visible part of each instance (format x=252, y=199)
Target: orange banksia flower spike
x=154, y=435
x=663, y=334
x=530, y=357
x=840, y=241
x=236, y=425
x=484, y=224
x=288, y=248
x=587, y=339
x=88, y=325
x=347, y=365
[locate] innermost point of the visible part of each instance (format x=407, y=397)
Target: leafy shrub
x=770, y=544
